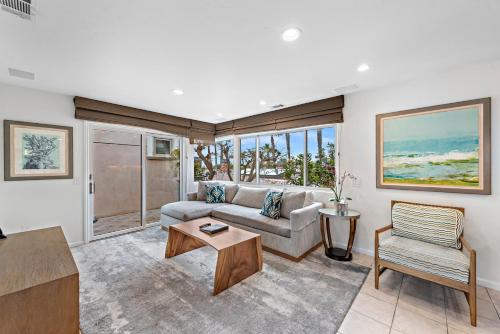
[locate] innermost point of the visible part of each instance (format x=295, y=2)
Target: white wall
x=27, y=205
x=482, y=225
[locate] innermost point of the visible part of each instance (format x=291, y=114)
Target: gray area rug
x=126, y=286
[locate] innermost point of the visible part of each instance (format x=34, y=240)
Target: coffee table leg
x=179, y=243
x=236, y=263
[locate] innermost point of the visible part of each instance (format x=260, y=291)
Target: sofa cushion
x=290, y=201
x=438, y=260
x=202, y=191
x=251, y=197
x=231, y=190
x=251, y=217
x=188, y=210
x=215, y=193
x=272, y=204
x=440, y=226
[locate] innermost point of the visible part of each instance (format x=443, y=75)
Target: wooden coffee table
x=239, y=251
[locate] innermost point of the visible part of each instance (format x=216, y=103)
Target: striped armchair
x=427, y=242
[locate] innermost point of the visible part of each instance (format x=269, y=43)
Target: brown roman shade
x=97, y=111
x=320, y=112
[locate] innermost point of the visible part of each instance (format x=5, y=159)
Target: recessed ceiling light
x=177, y=92
x=363, y=68
x=291, y=34
x=219, y=114
x=262, y=103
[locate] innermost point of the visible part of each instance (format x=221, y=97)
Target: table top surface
x=32, y=258
x=230, y=237
x=335, y=213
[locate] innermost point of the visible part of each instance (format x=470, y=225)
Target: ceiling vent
x=21, y=74
x=21, y=8
x=347, y=89
x=276, y=106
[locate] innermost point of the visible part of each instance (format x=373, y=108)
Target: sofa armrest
x=192, y=196
x=300, y=218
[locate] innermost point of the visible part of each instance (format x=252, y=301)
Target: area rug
x=127, y=286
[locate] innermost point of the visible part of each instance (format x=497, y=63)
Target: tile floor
x=125, y=221
x=408, y=305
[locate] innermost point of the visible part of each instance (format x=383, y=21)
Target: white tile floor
x=407, y=305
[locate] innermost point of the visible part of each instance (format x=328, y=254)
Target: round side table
x=335, y=253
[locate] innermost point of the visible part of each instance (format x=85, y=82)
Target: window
x=248, y=159
x=282, y=158
x=214, y=162
x=224, y=160
x=273, y=158
x=320, y=156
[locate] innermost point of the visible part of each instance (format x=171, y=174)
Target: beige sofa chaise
x=293, y=235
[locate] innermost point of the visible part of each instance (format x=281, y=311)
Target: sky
x=296, y=141
x=456, y=123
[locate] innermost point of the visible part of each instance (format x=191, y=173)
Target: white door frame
x=88, y=232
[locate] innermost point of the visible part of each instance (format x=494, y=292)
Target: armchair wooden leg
x=472, y=289
x=473, y=307
x=377, y=275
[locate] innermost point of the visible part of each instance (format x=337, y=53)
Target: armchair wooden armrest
x=466, y=245
x=383, y=229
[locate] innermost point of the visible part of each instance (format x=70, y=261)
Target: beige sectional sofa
x=293, y=235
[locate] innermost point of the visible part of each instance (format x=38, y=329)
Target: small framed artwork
x=443, y=148
x=34, y=151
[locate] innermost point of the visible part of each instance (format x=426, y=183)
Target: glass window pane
x=248, y=159
x=320, y=156
x=281, y=159
x=224, y=160
x=204, y=162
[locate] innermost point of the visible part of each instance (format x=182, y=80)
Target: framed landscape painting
x=442, y=148
x=35, y=151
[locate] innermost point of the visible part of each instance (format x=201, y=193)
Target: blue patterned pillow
x=215, y=193
x=272, y=204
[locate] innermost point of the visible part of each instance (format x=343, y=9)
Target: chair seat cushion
x=251, y=217
x=434, y=259
x=188, y=210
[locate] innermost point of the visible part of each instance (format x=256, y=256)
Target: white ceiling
x=227, y=55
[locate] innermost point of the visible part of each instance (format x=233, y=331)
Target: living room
x=307, y=130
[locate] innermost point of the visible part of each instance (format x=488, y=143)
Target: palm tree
x=319, y=138
x=288, y=151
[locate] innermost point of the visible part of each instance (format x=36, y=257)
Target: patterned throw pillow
x=215, y=193
x=272, y=204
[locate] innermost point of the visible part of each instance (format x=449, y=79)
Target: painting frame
x=10, y=174
x=484, y=144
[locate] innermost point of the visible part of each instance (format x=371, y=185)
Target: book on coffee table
x=215, y=228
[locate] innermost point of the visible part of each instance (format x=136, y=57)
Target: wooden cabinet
x=39, y=284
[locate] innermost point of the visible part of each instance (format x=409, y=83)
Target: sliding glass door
x=116, y=180
x=132, y=174
x=162, y=174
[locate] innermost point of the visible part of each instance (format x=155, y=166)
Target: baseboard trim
x=76, y=244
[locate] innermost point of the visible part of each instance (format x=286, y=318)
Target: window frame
x=237, y=151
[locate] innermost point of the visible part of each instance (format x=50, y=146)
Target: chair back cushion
x=437, y=225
